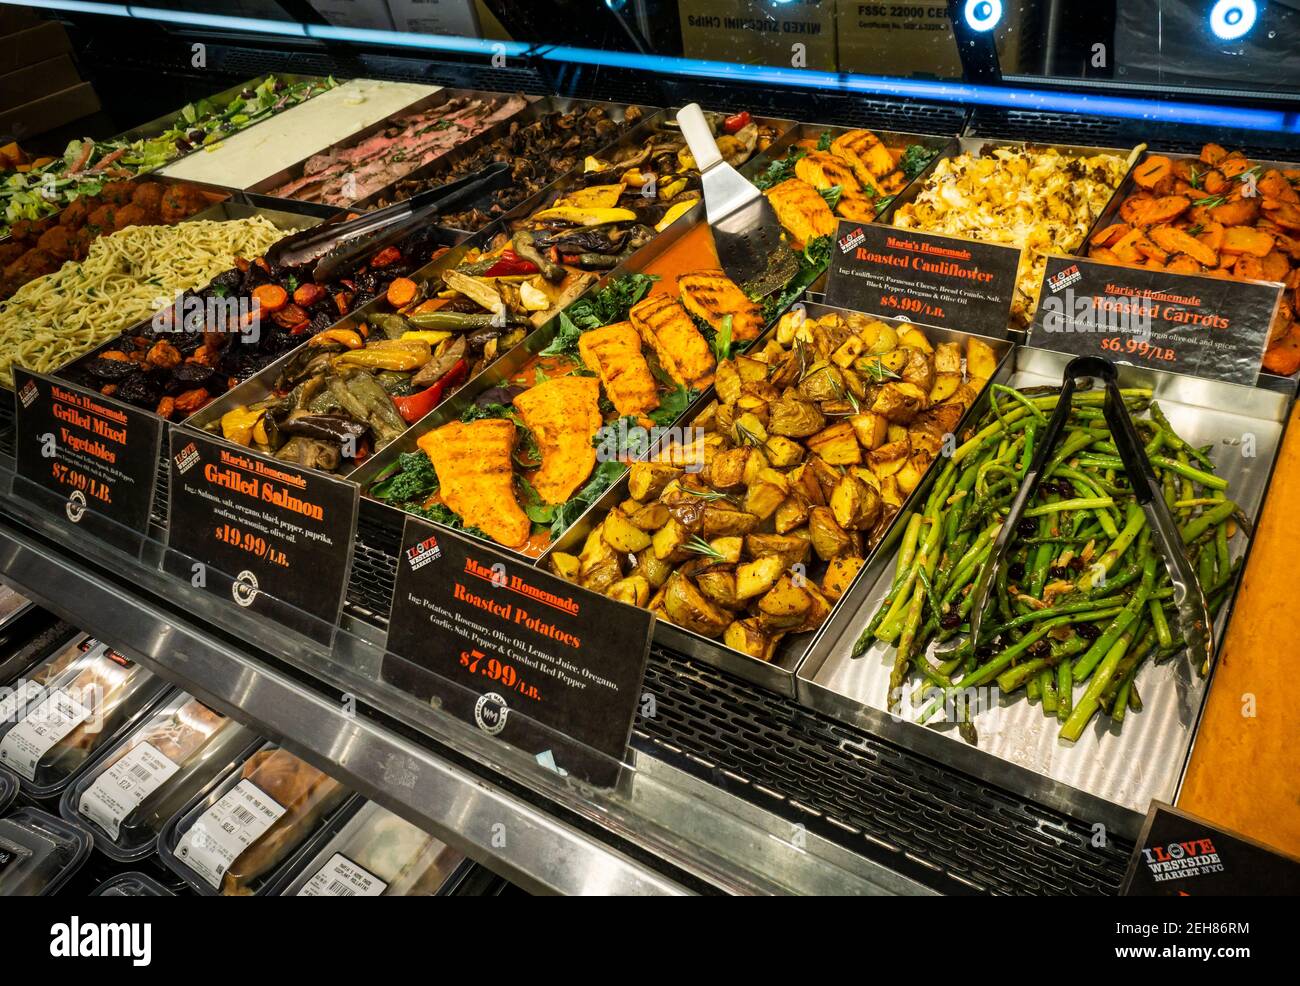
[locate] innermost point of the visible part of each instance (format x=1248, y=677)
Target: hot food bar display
x=632, y=465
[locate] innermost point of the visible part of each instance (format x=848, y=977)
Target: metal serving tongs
x=1193, y=612
x=338, y=247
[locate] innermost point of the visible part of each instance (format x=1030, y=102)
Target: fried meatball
x=103, y=218
x=9, y=252
x=31, y=229
x=148, y=196
x=57, y=242
x=81, y=243
x=117, y=192
x=74, y=216
x=129, y=215
x=180, y=202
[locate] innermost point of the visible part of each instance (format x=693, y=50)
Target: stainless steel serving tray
x=1108, y=776
x=499, y=374
x=238, y=206
x=1110, y=214
x=641, y=132
x=432, y=101
x=220, y=100
x=980, y=146
x=547, y=104
x=260, y=385
x=778, y=674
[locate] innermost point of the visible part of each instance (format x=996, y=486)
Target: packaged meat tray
x=12, y=604
x=242, y=837
x=377, y=854
x=137, y=785
x=39, y=853
x=55, y=724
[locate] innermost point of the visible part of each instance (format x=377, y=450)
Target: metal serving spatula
x=1193, y=613
x=746, y=232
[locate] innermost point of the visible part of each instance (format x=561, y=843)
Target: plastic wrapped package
x=132, y=884
x=65, y=717
x=377, y=854
x=39, y=852
x=32, y=681
x=248, y=831
x=130, y=792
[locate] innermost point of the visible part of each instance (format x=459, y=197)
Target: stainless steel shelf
x=663, y=832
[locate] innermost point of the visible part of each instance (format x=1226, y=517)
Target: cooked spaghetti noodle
x=125, y=277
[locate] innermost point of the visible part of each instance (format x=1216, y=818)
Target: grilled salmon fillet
x=822, y=170
x=476, y=476
x=682, y=350
x=871, y=160
x=615, y=353
x=711, y=295
x=564, y=417
x=862, y=210
x=801, y=211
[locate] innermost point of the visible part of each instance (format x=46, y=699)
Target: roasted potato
x=811, y=445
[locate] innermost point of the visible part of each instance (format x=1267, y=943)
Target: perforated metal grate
x=908, y=812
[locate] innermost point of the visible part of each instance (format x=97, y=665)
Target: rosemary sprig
x=700, y=546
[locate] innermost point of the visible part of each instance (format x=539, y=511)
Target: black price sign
x=86, y=457
x=923, y=277
x=1182, y=855
x=517, y=651
x=274, y=537
x=1208, y=327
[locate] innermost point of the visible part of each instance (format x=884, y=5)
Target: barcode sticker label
x=122, y=788
x=24, y=745
x=234, y=823
x=341, y=877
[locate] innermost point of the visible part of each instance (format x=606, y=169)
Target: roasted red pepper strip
x=735, y=123
x=413, y=408
x=510, y=263
x=386, y=256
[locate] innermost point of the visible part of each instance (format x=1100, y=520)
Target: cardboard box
x=371, y=15
x=908, y=40
x=34, y=81
x=35, y=44
x=760, y=33
x=455, y=17
x=17, y=19
x=49, y=112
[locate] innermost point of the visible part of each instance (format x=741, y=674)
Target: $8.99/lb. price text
x=254, y=544
x=913, y=306
x=504, y=674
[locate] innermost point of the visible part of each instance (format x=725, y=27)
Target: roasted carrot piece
x=1176, y=241
x=270, y=297
x=402, y=292
x=1150, y=171
x=1110, y=234
x=1212, y=154
x=1243, y=239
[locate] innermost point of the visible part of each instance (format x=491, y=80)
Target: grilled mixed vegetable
x=753, y=526
x=526, y=458
x=538, y=151
x=620, y=201
x=1085, y=602
x=1219, y=215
